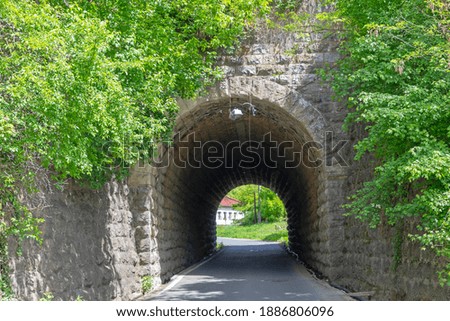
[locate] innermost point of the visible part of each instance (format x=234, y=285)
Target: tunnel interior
x=212, y=154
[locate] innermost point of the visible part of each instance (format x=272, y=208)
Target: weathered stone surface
x=88, y=248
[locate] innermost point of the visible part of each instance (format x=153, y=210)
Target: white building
x=226, y=215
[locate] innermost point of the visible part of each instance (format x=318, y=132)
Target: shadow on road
x=250, y=271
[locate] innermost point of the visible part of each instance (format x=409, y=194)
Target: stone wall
x=368, y=254
x=369, y=265
x=95, y=245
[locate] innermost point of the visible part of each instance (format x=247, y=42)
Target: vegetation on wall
x=395, y=75
x=146, y=283
x=88, y=87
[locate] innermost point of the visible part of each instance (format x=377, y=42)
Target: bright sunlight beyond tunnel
x=252, y=212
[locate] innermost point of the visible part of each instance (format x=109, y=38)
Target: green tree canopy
x=395, y=74
x=85, y=84
x=271, y=207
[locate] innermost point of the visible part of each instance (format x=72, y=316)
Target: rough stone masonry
x=99, y=244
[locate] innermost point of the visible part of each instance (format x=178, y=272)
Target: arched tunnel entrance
x=213, y=152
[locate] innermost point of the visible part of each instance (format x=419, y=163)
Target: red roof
x=228, y=202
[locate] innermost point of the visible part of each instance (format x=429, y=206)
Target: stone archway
x=161, y=219
x=281, y=141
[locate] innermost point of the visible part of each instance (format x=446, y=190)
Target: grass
x=276, y=232
x=147, y=283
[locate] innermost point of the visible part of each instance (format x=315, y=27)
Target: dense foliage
x=87, y=87
x=395, y=72
x=267, y=203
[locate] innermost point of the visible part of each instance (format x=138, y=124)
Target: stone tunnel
x=100, y=244
x=281, y=141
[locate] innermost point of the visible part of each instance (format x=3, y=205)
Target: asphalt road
x=250, y=271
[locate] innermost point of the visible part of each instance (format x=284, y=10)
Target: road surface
x=251, y=271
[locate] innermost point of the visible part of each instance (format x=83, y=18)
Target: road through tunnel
x=230, y=140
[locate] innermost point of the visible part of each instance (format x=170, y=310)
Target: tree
x=272, y=208
x=395, y=75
